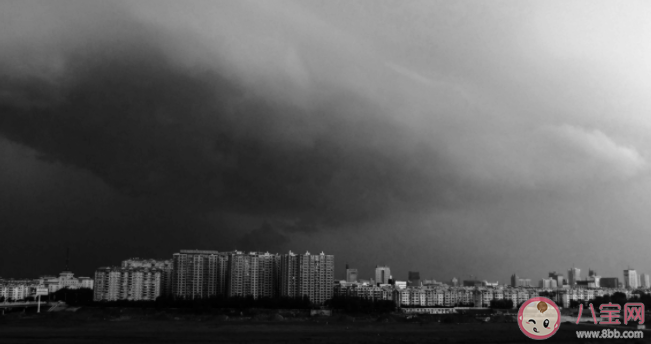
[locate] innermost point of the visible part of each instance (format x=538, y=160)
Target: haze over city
x=450, y=138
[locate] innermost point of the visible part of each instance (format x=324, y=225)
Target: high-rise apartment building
x=573, y=275
x=199, y=273
x=307, y=275
x=645, y=281
x=252, y=274
x=289, y=274
x=117, y=283
x=514, y=281
x=630, y=279
x=165, y=266
x=382, y=274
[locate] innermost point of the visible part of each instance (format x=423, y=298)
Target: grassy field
x=129, y=326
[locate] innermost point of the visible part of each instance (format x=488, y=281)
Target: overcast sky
x=450, y=138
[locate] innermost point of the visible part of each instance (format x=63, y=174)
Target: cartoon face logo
x=539, y=318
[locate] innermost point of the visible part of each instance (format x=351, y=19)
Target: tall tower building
x=645, y=281
x=268, y=272
x=316, y=276
x=382, y=274
x=515, y=281
x=558, y=277
x=252, y=274
x=351, y=275
x=289, y=274
x=630, y=279
x=242, y=275
x=573, y=275
x=307, y=275
x=199, y=273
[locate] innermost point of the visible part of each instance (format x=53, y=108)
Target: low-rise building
x=16, y=290
x=66, y=279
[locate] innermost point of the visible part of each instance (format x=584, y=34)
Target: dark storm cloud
x=266, y=237
x=123, y=109
x=394, y=131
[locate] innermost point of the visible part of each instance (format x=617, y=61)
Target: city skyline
x=640, y=279
x=448, y=138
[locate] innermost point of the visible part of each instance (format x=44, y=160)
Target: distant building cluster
x=482, y=297
x=202, y=274
x=197, y=274
x=517, y=282
x=430, y=296
x=21, y=289
x=632, y=280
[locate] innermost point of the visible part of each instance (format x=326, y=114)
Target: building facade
x=364, y=291
x=351, y=275
x=17, y=290
x=548, y=283
x=202, y=274
x=382, y=274
x=165, y=266
x=573, y=275
x=307, y=275
x=645, y=281
x=517, y=282
x=630, y=279
x=133, y=284
x=199, y=274
x=609, y=282
x=66, y=279
x=558, y=277
x=252, y=274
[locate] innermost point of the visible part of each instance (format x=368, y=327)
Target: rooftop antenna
x=67, y=258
